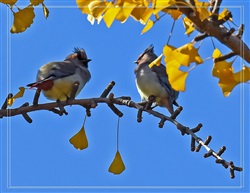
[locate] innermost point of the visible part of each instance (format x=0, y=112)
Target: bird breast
x=148, y=83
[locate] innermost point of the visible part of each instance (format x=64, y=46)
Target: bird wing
x=53, y=71
x=163, y=78
x=56, y=70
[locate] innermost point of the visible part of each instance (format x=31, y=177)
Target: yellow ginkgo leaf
x=23, y=19
x=156, y=62
x=111, y=14
x=117, y=166
x=148, y=26
x=175, y=14
x=79, y=140
x=159, y=5
x=188, y=24
x=83, y=5
x=126, y=10
x=176, y=77
x=185, y=54
x=36, y=2
x=223, y=14
x=97, y=8
x=146, y=15
x=202, y=8
x=225, y=72
x=17, y=95
x=243, y=75
x=10, y=2
x=138, y=12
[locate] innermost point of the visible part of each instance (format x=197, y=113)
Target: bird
x=154, y=81
x=56, y=79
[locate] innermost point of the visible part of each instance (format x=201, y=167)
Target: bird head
x=147, y=56
x=80, y=54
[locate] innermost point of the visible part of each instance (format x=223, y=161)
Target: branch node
x=221, y=161
x=27, y=117
x=5, y=104
x=182, y=128
x=115, y=110
x=107, y=89
x=161, y=123
x=88, y=112
x=225, y=57
x=192, y=144
x=36, y=97
x=197, y=149
x=208, y=154
x=56, y=111
x=176, y=112
x=197, y=128
x=207, y=141
x=93, y=104
x=139, y=115
x=200, y=37
x=221, y=150
x=230, y=32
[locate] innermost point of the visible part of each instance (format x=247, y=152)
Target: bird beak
x=136, y=62
x=87, y=60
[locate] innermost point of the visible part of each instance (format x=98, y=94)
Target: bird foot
x=61, y=108
x=74, y=91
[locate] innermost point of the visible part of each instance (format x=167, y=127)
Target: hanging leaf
x=79, y=140
x=185, y=54
x=23, y=19
x=117, y=166
x=148, y=26
x=18, y=95
x=225, y=72
x=45, y=11
x=176, y=77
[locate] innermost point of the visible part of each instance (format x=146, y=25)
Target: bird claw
x=61, y=108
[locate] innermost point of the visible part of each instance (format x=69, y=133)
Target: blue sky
x=38, y=157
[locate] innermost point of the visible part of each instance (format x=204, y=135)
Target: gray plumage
x=154, y=81
x=56, y=79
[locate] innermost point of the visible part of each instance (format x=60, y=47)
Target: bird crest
x=149, y=49
x=81, y=55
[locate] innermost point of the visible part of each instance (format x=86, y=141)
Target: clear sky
x=38, y=157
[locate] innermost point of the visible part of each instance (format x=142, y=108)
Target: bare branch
x=59, y=108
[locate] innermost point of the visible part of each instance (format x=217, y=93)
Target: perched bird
x=154, y=81
x=56, y=79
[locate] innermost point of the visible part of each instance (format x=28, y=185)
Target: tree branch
x=58, y=108
x=221, y=33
